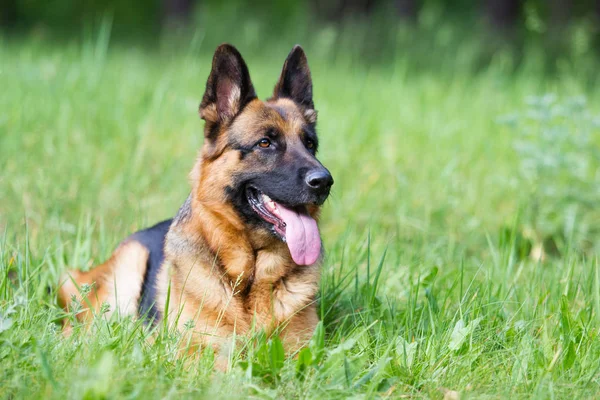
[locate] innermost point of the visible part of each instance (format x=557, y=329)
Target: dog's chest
x=281, y=288
x=272, y=265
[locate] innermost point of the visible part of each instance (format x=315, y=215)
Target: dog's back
x=126, y=282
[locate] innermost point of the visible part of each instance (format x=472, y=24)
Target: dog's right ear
x=295, y=83
x=228, y=88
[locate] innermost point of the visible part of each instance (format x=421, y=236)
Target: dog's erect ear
x=228, y=88
x=295, y=82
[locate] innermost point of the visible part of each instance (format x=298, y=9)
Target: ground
x=433, y=281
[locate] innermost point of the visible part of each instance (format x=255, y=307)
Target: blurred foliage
x=135, y=16
x=374, y=30
x=419, y=291
x=558, y=147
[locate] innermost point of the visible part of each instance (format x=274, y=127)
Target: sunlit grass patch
x=429, y=284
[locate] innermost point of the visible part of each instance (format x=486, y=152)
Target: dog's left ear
x=295, y=83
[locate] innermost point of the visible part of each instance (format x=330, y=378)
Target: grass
x=428, y=289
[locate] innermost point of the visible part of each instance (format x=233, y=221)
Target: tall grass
x=430, y=286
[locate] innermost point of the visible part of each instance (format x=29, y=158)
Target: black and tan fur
x=217, y=264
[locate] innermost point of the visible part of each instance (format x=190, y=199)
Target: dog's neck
x=265, y=279
x=241, y=256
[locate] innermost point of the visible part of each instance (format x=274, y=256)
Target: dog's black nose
x=319, y=180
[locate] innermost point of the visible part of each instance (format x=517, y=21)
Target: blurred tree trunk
x=360, y=7
x=406, y=9
x=337, y=10
x=176, y=12
x=560, y=12
x=502, y=14
x=8, y=13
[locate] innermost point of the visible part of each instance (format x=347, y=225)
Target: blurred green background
x=374, y=29
x=124, y=76
x=461, y=235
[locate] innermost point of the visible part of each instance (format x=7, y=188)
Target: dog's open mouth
x=294, y=225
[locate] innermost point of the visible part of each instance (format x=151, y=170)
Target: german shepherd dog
x=243, y=251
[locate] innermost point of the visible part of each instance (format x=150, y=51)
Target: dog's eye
x=264, y=143
x=310, y=144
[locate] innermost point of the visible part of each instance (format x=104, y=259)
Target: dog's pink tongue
x=301, y=235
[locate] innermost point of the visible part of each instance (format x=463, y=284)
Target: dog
x=243, y=253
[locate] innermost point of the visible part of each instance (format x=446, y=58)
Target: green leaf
x=406, y=351
x=565, y=318
x=277, y=355
x=461, y=332
x=317, y=343
x=370, y=376
x=570, y=355
x=430, y=277
x=344, y=346
x=347, y=372
x=5, y=323
x=304, y=361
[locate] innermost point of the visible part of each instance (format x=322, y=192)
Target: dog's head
x=260, y=156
